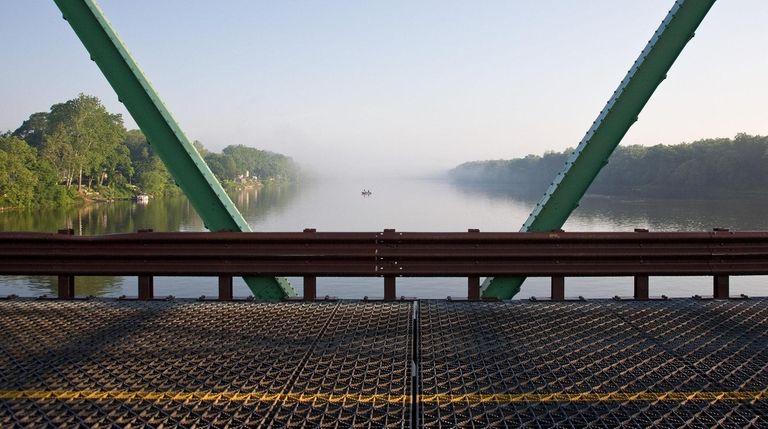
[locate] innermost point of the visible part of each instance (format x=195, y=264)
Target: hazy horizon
x=398, y=88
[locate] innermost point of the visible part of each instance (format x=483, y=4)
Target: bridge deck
x=676, y=363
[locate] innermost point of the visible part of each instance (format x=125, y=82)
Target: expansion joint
x=416, y=412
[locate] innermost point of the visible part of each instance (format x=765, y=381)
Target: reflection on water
x=46, y=285
x=416, y=205
x=600, y=213
x=173, y=213
x=164, y=214
x=670, y=215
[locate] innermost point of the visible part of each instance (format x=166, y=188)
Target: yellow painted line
x=199, y=396
x=442, y=398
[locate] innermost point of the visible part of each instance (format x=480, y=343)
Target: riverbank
x=74, y=198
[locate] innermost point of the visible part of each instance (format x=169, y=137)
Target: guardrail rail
x=388, y=254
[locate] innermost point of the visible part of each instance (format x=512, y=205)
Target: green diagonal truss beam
x=592, y=154
x=181, y=158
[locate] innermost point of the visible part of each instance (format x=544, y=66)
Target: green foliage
x=49, y=190
x=698, y=169
x=222, y=166
x=154, y=178
x=80, y=142
x=81, y=139
x=33, y=129
x=261, y=163
x=148, y=171
x=17, y=175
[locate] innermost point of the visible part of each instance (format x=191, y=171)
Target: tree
x=148, y=171
x=221, y=166
x=139, y=150
x=57, y=149
x=153, y=177
x=261, y=163
x=18, y=179
x=117, y=166
x=90, y=131
x=200, y=148
x=33, y=129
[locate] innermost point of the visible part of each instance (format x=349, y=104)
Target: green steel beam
x=592, y=154
x=181, y=158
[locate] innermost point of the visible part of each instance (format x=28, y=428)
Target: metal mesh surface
x=676, y=363
x=358, y=373
x=594, y=364
x=101, y=363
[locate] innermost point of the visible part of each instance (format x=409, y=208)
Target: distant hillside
x=699, y=169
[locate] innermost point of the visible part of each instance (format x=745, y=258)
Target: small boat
x=141, y=198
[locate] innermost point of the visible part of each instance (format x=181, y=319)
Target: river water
x=407, y=205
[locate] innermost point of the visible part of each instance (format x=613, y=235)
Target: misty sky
x=398, y=86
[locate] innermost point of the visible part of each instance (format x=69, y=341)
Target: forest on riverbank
x=79, y=151
x=701, y=169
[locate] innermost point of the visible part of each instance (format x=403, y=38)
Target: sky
x=397, y=87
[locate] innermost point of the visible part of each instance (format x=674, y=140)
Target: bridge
x=276, y=359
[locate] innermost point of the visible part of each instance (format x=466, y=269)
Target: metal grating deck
x=101, y=363
x=168, y=364
x=678, y=363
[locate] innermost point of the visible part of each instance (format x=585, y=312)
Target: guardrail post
x=146, y=287
x=225, y=288
x=473, y=282
x=641, y=282
x=641, y=288
x=720, y=287
x=66, y=284
x=310, y=282
x=310, y=288
x=66, y=287
x=720, y=283
x=558, y=288
x=390, y=288
x=390, y=282
x=146, y=283
x=473, y=288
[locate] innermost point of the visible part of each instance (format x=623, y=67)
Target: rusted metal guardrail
x=388, y=254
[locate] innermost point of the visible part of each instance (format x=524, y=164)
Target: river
x=407, y=205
